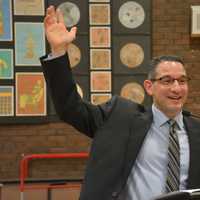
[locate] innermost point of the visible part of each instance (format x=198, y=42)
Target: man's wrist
x=56, y=52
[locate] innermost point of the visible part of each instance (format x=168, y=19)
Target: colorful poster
x=6, y=101
x=6, y=63
x=5, y=20
x=30, y=94
x=33, y=7
x=29, y=43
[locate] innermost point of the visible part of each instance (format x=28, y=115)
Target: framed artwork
x=75, y=13
x=99, y=14
x=133, y=91
x=99, y=98
x=195, y=11
x=100, y=37
x=100, y=59
x=131, y=54
x=74, y=53
x=30, y=94
x=131, y=16
x=6, y=101
x=71, y=13
x=6, y=64
x=29, y=43
x=6, y=20
x=99, y=0
x=33, y=7
x=109, y=56
x=100, y=81
x=131, y=87
x=78, y=55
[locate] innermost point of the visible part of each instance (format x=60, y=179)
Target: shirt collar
x=159, y=118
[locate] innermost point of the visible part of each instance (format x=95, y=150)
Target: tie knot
x=172, y=123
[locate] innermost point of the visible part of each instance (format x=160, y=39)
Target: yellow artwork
x=34, y=98
x=30, y=45
x=3, y=65
x=6, y=101
x=29, y=7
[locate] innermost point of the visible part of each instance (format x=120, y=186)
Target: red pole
x=25, y=160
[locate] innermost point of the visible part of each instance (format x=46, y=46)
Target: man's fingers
x=59, y=16
x=51, y=11
x=48, y=20
x=73, y=31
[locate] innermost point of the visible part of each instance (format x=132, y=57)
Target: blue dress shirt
x=148, y=176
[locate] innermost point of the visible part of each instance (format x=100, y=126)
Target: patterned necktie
x=173, y=168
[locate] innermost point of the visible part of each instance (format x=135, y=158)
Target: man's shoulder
x=191, y=118
x=124, y=104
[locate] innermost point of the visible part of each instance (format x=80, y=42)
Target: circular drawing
x=70, y=12
x=133, y=91
x=131, y=14
x=74, y=55
x=131, y=55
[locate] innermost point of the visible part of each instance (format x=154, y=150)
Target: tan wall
x=170, y=35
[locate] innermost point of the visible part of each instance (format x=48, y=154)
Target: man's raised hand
x=56, y=32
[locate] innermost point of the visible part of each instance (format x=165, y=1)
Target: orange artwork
x=100, y=58
x=100, y=36
x=133, y=91
x=1, y=21
x=74, y=55
x=99, y=14
x=100, y=81
x=100, y=98
x=30, y=94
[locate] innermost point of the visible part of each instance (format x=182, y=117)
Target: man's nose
x=176, y=85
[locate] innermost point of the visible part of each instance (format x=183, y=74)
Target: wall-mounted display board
x=109, y=56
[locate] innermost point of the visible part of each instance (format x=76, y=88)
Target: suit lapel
x=194, y=142
x=141, y=123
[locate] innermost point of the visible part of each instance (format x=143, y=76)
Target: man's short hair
x=157, y=60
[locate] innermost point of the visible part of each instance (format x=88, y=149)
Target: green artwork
x=6, y=64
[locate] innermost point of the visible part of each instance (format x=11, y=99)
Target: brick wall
x=170, y=35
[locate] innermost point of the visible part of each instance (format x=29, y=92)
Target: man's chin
x=175, y=109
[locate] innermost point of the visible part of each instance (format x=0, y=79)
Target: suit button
x=114, y=194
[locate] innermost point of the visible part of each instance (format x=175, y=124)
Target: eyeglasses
x=168, y=80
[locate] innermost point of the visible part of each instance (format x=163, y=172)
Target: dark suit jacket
x=118, y=129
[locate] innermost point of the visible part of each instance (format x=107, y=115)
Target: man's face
x=169, y=89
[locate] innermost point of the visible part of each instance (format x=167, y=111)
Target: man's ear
x=148, y=85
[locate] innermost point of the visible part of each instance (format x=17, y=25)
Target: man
x=129, y=157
